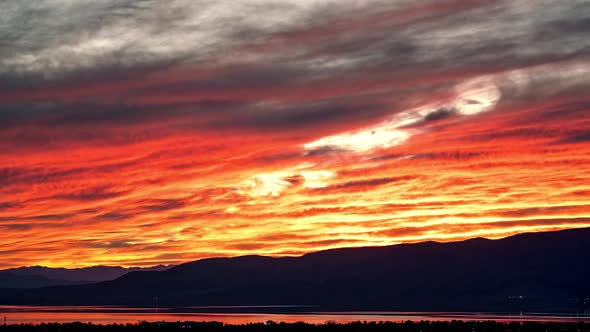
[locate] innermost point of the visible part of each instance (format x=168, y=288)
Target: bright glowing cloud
x=380, y=136
x=473, y=96
x=273, y=183
x=476, y=96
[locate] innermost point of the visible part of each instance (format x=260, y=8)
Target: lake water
x=104, y=315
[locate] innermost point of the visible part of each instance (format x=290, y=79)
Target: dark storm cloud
x=508, y=35
x=316, y=114
x=113, y=40
x=239, y=77
x=77, y=114
x=52, y=41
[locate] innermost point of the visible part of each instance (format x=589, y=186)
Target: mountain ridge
x=465, y=275
x=40, y=276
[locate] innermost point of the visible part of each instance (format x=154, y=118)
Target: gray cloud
x=48, y=37
x=269, y=49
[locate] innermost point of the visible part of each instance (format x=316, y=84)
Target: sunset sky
x=139, y=132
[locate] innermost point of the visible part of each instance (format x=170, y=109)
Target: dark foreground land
x=544, y=272
x=424, y=326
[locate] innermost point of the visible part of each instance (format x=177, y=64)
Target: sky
x=140, y=132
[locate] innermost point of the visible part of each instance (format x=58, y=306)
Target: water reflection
x=113, y=314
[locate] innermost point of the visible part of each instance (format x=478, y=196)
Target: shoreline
x=406, y=326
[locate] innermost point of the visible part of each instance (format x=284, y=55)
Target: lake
x=112, y=314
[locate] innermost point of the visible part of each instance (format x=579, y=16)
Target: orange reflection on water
x=122, y=315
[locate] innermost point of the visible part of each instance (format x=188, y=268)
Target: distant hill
x=9, y=280
x=40, y=276
x=535, y=271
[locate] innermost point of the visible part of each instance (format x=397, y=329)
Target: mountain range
x=40, y=276
x=534, y=271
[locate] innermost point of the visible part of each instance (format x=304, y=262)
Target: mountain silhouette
x=41, y=276
x=534, y=271
x=10, y=280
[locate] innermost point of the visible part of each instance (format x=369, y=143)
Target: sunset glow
x=186, y=130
